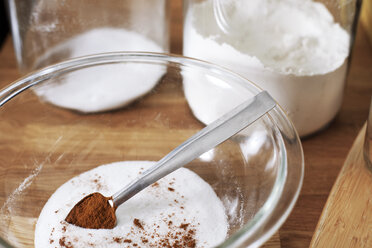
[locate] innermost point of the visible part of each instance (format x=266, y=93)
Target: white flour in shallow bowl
x=103, y=87
x=179, y=209
x=291, y=48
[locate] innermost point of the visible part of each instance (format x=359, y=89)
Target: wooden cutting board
x=273, y=242
x=346, y=220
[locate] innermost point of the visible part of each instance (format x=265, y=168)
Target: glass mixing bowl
x=73, y=116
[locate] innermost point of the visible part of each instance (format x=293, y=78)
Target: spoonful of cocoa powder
x=96, y=211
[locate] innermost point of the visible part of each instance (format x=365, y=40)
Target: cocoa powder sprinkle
x=64, y=243
x=156, y=184
x=138, y=223
x=184, y=226
x=118, y=239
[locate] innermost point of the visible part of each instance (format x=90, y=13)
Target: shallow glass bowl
x=257, y=173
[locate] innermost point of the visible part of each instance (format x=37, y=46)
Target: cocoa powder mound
x=93, y=211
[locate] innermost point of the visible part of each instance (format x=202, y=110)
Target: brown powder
x=64, y=243
x=97, y=183
x=178, y=236
x=184, y=226
x=156, y=184
x=138, y=223
x=179, y=239
x=118, y=239
x=93, y=211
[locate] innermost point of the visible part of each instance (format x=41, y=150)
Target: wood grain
x=366, y=18
x=21, y=231
x=346, y=220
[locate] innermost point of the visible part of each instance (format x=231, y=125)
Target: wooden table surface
x=324, y=152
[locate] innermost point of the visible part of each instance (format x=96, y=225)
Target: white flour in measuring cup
x=291, y=48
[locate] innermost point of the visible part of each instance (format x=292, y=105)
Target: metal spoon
x=97, y=211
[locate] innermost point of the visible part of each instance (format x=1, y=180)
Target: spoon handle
x=207, y=138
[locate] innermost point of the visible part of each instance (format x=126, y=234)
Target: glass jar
x=46, y=32
x=297, y=50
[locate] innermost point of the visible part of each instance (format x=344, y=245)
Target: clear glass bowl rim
x=249, y=229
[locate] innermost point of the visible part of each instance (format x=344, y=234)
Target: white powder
x=292, y=48
x=180, y=198
x=103, y=87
